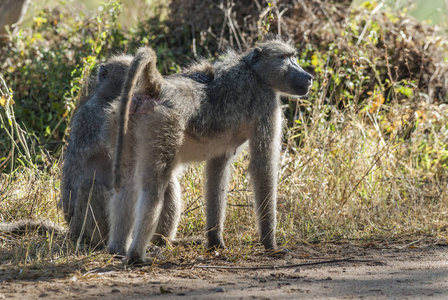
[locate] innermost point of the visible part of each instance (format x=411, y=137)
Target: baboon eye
x=289, y=56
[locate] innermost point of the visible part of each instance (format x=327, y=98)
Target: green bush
x=362, y=57
x=48, y=66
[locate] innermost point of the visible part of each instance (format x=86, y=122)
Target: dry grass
x=353, y=183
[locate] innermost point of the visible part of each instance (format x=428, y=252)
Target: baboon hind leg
x=156, y=162
x=121, y=219
x=170, y=215
x=218, y=175
x=149, y=209
x=89, y=218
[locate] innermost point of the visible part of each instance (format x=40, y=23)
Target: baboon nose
x=310, y=79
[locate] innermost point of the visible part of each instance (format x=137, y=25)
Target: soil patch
x=348, y=271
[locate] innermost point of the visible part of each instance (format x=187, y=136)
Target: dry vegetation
x=364, y=158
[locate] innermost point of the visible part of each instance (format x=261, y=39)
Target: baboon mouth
x=308, y=88
x=300, y=92
x=304, y=91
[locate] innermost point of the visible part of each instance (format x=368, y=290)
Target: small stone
x=219, y=290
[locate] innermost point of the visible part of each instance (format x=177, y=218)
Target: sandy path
x=382, y=274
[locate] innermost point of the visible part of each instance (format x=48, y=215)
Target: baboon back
x=86, y=175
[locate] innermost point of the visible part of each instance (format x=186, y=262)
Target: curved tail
x=144, y=63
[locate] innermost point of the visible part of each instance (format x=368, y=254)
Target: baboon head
x=275, y=62
x=111, y=75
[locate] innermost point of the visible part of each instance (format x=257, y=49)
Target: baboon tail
x=144, y=60
x=21, y=227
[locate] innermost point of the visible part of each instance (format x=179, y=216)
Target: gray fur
x=87, y=170
x=25, y=226
x=87, y=156
x=190, y=122
x=144, y=61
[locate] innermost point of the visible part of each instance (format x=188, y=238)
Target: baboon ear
x=256, y=54
x=102, y=73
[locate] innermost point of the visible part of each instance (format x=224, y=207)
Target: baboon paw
x=116, y=251
x=119, y=257
x=215, y=241
x=160, y=240
x=153, y=248
x=135, y=260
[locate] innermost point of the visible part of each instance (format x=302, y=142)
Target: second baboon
x=86, y=184
x=181, y=122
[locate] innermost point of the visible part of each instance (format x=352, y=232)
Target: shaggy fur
x=86, y=175
x=191, y=122
x=87, y=172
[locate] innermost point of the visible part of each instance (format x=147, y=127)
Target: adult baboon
x=87, y=171
x=181, y=122
x=86, y=174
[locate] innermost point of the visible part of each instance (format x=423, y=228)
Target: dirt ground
x=343, y=271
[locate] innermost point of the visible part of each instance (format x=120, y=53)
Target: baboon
x=86, y=174
x=201, y=71
x=87, y=170
x=183, y=121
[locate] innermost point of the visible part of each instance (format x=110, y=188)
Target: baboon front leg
x=265, y=151
x=170, y=215
x=121, y=220
x=217, y=182
x=264, y=187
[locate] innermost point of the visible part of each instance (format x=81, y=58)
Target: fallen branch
x=291, y=266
